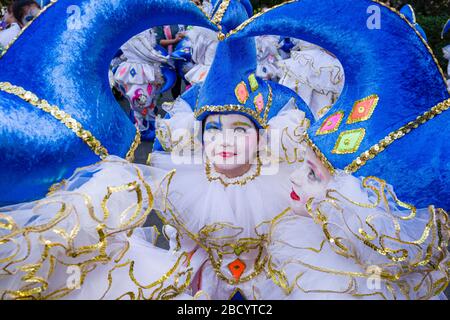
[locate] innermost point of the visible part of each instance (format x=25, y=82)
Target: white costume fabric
x=85, y=241
x=207, y=7
x=359, y=242
x=204, y=44
x=446, y=51
x=141, y=55
x=139, y=77
x=315, y=75
x=267, y=57
x=8, y=35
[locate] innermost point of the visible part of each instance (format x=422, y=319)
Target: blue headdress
x=391, y=119
x=57, y=112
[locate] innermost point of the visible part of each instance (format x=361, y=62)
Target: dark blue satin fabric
x=391, y=62
x=69, y=68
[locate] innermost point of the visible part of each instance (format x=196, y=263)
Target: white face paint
x=309, y=180
x=230, y=143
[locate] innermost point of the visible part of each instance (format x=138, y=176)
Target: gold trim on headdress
x=261, y=120
x=383, y=143
x=66, y=119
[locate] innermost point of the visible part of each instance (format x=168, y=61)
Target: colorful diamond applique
x=241, y=92
x=237, y=268
x=363, y=109
x=253, y=82
x=331, y=123
x=349, y=141
x=259, y=102
x=133, y=72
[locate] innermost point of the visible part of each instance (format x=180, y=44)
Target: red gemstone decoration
x=237, y=268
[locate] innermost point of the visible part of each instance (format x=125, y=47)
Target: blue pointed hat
x=391, y=120
x=231, y=85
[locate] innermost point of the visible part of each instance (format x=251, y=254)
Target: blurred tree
x=5, y=3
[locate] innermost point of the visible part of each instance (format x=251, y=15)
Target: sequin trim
x=396, y=135
x=262, y=121
x=63, y=117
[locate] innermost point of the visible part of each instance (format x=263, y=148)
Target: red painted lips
x=295, y=196
x=227, y=154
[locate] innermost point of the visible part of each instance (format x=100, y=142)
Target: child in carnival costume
x=110, y=200
x=231, y=178
x=228, y=196
x=241, y=248
x=140, y=78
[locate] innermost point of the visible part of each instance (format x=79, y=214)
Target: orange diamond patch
x=363, y=109
x=237, y=268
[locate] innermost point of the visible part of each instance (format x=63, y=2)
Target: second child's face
x=9, y=18
x=230, y=141
x=310, y=180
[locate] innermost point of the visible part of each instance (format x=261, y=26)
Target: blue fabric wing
x=63, y=57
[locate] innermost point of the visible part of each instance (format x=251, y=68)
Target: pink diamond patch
x=331, y=123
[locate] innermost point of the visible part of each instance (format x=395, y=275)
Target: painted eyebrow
x=240, y=123
x=213, y=123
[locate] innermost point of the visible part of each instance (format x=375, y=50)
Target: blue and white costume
x=230, y=237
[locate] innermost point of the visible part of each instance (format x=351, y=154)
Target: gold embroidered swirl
x=37, y=252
